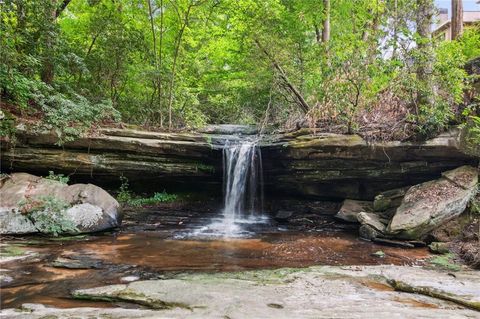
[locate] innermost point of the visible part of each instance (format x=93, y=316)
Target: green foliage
x=11, y=251
x=445, y=262
x=48, y=214
x=57, y=177
x=186, y=63
x=7, y=124
x=70, y=118
x=125, y=196
x=155, y=199
x=474, y=130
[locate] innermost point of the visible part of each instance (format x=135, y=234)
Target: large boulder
x=13, y=222
x=88, y=207
x=351, y=208
x=428, y=205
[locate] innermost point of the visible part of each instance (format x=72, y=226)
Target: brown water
x=151, y=255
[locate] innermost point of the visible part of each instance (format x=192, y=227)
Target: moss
x=11, y=251
x=69, y=238
x=330, y=140
x=445, y=261
x=276, y=276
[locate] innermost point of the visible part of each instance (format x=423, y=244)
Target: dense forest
x=366, y=66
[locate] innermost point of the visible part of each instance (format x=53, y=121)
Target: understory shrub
x=125, y=196
x=49, y=216
x=57, y=177
x=72, y=117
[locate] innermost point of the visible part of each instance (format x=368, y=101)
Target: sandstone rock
x=428, y=205
x=372, y=220
x=229, y=129
x=302, y=163
x=351, y=208
x=13, y=222
x=389, y=199
x=283, y=215
x=368, y=232
x=91, y=208
x=439, y=248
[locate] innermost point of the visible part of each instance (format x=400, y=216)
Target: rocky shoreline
x=315, y=292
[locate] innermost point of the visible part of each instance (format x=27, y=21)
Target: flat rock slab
x=316, y=292
x=460, y=287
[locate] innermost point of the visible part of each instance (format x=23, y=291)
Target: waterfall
x=242, y=191
x=242, y=181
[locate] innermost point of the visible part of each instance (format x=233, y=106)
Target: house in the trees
x=443, y=29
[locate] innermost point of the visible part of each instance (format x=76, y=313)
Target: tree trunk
x=457, y=19
x=157, y=86
x=424, y=60
x=47, y=73
x=174, y=64
x=326, y=21
x=291, y=87
x=395, y=29
x=52, y=12
x=160, y=61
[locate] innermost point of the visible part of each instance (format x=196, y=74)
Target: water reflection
x=156, y=255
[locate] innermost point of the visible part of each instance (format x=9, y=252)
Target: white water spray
x=243, y=190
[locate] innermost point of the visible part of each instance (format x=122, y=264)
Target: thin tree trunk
x=291, y=87
x=326, y=21
x=424, y=63
x=174, y=65
x=318, y=34
x=457, y=19
x=395, y=29
x=154, y=56
x=48, y=72
x=160, y=61
x=52, y=12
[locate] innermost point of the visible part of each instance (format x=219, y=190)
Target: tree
x=457, y=19
x=326, y=21
x=424, y=59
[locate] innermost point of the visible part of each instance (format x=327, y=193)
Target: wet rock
x=372, y=220
x=428, y=205
x=129, y=278
x=305, y=293
x=283, y=215
x=91, y=208
x=10, y=253
x=395, y=243
x=389, y=199
x=79, y=262
x=351, y=208
x=379, y=254
x=13, y=222
x=229, y=129
x=368, y=232
x=439, y=248
x=5, y=279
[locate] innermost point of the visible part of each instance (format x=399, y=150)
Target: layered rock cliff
x=301, y=163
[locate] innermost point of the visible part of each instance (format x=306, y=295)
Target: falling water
x=242, y=182
x=243, y=190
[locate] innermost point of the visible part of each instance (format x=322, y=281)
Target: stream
x=62, y=266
